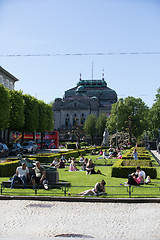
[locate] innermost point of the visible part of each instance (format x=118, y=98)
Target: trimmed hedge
x=120, y=171
x=8, y=168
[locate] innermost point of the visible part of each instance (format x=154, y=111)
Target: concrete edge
x=82, y=199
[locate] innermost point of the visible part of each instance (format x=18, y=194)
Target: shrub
x=8, y=168
x=71, y=146
x=120, y=171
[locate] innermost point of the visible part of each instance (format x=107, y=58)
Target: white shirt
x=142, y=175
x=22, y=172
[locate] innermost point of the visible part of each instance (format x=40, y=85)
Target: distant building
x=88, y=97
x=7, y=79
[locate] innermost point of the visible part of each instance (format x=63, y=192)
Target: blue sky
x=63, y=27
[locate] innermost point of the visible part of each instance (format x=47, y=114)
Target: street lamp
x=117, y=126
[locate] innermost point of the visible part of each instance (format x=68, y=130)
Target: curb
x=82, y=199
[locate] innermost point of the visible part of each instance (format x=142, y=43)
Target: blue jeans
x=22, y=179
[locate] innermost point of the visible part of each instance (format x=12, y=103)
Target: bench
x=19, y=185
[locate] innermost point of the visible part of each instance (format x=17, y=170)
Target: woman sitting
x=73, y=166
x=54, y=163
x=90, y=167
x=61, y=164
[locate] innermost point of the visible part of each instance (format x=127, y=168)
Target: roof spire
x=92, y=70
x=103, y=74
x=80, y=77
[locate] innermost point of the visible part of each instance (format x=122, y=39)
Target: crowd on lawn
x=37, y=174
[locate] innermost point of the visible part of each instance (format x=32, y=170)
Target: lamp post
x=117, y=126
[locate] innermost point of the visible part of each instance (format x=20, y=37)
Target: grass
x=80, y=182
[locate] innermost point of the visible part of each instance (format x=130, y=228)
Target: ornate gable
x=74, y=105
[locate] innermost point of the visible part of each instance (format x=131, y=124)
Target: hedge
x=8, y=168
x=120, y=171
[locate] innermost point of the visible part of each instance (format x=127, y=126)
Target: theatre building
x=88, y=97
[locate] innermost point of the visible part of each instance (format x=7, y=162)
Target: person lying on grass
x=99, y=189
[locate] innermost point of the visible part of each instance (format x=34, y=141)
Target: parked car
x=30, y=147
x=4, y=151
x=15, y=149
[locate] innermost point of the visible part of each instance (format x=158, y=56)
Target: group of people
x=35, y=175
x=138, y=177
x=112, y=153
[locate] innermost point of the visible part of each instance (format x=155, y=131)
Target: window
x=67, y=122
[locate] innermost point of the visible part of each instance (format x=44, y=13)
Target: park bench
x=18, y=185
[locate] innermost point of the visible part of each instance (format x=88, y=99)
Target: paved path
x=26, y=219
x=155, y=153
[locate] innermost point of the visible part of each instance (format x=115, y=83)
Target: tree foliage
x=90, y=126
x=31, y=113
x=4, y=108
x=128, y=115
x=49, y=116
x=16, y=110
x=154, y=113
x=101, y=124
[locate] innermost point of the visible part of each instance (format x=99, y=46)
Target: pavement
x=32, y=220
x=39, y=218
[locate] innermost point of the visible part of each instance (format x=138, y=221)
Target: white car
x=30, y=147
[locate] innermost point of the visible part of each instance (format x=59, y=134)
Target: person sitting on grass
x=61, y=164
x=81, y=160
x=100, y=152
x=21, y=175
x=54, y=163
x=63, y=157
x=99, y=189
x=39, y=176
x=105, y=155
x=138, y=177
x=90, y=167
x=73, y=166
x=84, y=164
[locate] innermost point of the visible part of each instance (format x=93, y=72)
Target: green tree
x=16, y=110
x=90, y=127
x=158, y=94
x=154, y=115
x=4, y=108
x=45, y=119
x=128, y=115
x=101, y=124
x=49, y=113
x=31, y=113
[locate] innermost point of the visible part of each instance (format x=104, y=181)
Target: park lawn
x=80, y=182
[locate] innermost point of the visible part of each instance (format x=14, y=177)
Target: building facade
x=7, y=79
x=88, y=97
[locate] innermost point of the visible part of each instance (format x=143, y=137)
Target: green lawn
x=80, y=182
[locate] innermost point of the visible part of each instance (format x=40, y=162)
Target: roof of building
x=8, y=74
x=90, y=88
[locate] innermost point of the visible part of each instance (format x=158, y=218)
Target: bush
x=120, y=171
x=71, y=146
x=8, y=168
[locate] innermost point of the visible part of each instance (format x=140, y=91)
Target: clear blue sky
x=29, y=27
